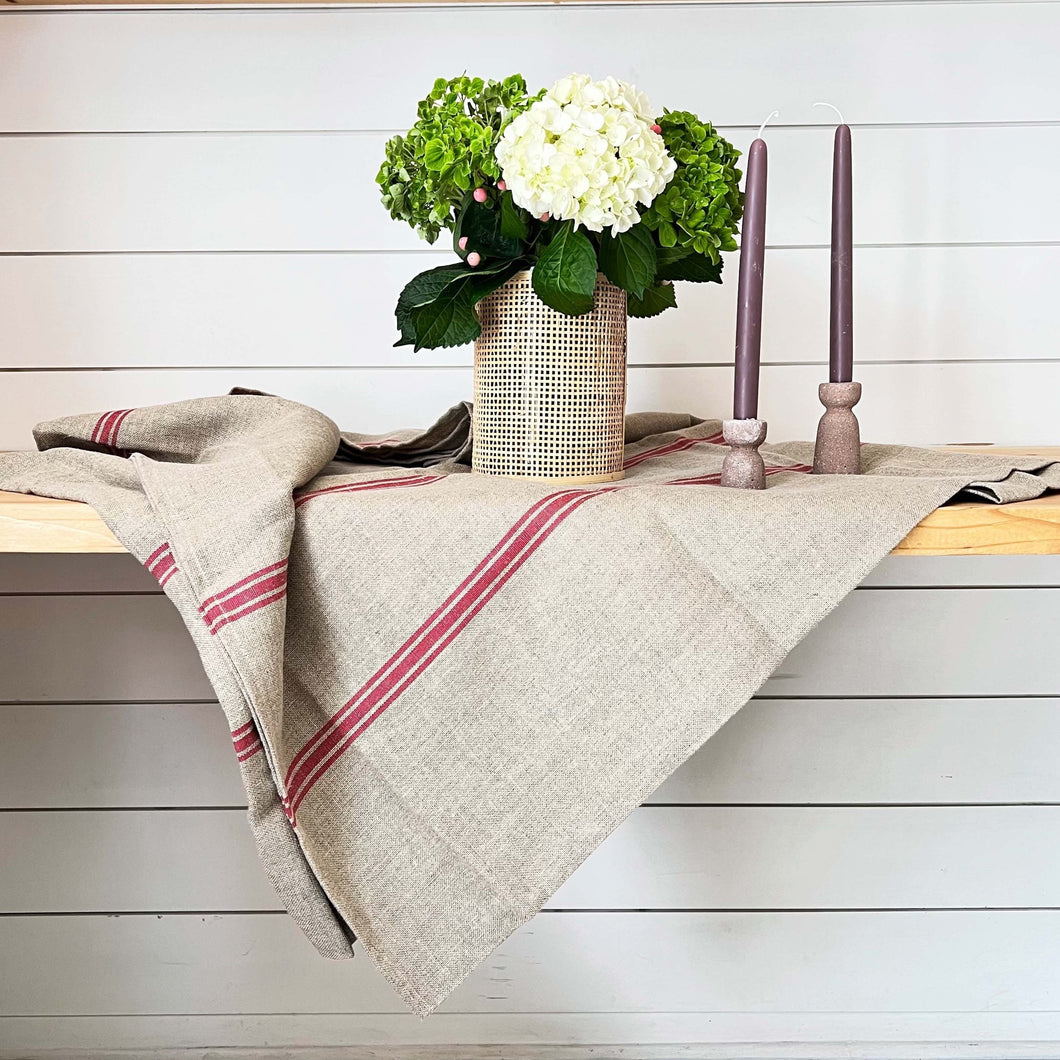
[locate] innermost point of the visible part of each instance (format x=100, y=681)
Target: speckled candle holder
x=838, y=448
x=743, y=468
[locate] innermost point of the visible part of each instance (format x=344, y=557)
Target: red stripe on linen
x=249, y=751
x=165, y=569
x=245, y=596
x=102, y=424
x=248, y=739
x=111, y=438
x=672, y=447
x=267, y=585
x=106, y=429
x=235, y=586
x=161, y=564
x=372, y=484
x=429, y=641
x=164, y=547
x=255, y=605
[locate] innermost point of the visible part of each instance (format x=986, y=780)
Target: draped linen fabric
x=445, y=689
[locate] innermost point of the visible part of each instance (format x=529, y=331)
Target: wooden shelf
x=40, y=524
x=1026, y=528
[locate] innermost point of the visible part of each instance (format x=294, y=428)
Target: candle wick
x=835, y=108
x=774, y=114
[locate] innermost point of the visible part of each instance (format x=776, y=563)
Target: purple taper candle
x=749, y=296
x=841, y=320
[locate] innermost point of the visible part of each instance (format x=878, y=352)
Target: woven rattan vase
x=550, y=390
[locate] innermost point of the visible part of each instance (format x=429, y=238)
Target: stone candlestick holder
x=743, y=468
x=838, y=448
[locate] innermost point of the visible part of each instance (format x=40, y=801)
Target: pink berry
x=463, y=243
x=545, y=217
x=657, y=129
x=473, y=259
x=480, y=195
x=501, y=186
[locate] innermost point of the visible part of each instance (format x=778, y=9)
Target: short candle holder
x=838, y=448
x=743, y=468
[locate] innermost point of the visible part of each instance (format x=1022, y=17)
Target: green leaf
x=698, y=268
x=515, y=221
x=482, y=225
x=449, y=319
x=628, y=259
x=420, y=291
x=565, y=274
x=434, y=155
x=667, y=235
x=655, y=300
x=666, y=256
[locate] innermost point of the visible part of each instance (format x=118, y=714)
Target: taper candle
x=749, y=295
x=841, y=320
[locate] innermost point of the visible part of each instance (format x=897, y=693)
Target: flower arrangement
x=576, y=179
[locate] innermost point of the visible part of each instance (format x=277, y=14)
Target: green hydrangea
x=701, y=207
x=449, y=151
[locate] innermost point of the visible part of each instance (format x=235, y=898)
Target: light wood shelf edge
x=41, y=524
x=1026, y=528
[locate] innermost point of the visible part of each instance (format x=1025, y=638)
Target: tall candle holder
x=838, y=447
x=743, y=467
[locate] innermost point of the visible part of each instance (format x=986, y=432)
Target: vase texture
x=550, y=389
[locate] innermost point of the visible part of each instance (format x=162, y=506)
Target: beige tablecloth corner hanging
x=444, y=689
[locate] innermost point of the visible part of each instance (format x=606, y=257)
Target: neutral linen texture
x=444, y=689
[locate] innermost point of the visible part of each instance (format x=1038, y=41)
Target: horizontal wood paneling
x=710, y=858
x=325, y=69
x=316, y=191
x=159, y=754
x=933, y=404
x=876, y=751
x=906, y=750
x=927, y=641
x=78, y=648
x=88, y=573
x=911, y=304
x=131, y=860
x=543, y=1036
x=988, y=642
x=559, y=963
x=926, y=572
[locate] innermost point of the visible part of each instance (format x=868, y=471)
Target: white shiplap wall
x=864, y=855
x=194, y=189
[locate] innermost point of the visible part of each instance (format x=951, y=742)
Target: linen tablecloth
x=444, y=689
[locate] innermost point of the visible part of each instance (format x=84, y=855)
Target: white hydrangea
x=588, y=152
